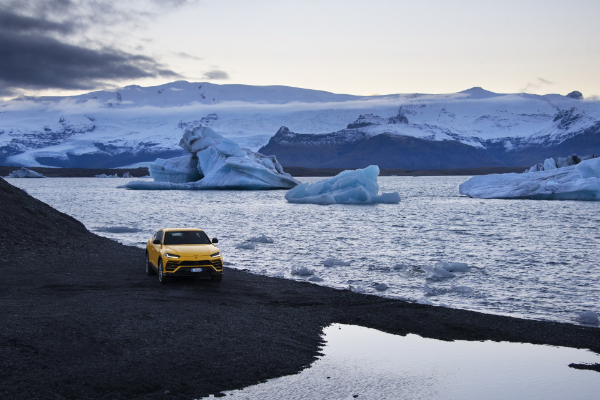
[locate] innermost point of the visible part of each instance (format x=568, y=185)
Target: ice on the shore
x=381, y=287
x=302, y=270
x=348, y=187
x=25, y=173
x=588, y=317
x=315, y=279
x=330, y=262
x=575, y=182
x=215, y=162
x=261, y=239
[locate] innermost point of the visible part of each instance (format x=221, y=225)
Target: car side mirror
x=215, y=240
x=156, y=241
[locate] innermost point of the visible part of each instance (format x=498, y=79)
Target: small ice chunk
x=127, y=175
x=330, y=262
x=107, y=176
x=302, y=270
x=261, y=239
x=381, y=287
x=588, y=317
x=462, y=289
x=436, y=271
x=246, y=246
x=25, y=173
x=424, y=301
x=348, y=187
x=401, y=266
x=356, y=289
x=430, y=291
x=549, y=164
x=454, y=266
x=315, y=279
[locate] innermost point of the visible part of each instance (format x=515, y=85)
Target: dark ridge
x=301, y=171
x=81, y=320
x=78, y=172
x=591, y=367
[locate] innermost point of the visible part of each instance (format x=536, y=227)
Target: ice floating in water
x=588, y=317
x=381, y=287
x=454, y=266
x=462, y=289
x=261, y=239
x=356, y=289
x=215, y=162
x=330, y=262
x=315, y=279
x=575, y=182
x=302, y=270
x=430, y=291
x=25, y=173
x=348, y=187
x=437, y=271
x=246, y=246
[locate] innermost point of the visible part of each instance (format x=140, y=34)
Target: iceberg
x=575, y=182
x=107, y=176
x=25, y=173
x=348, y=187
x=215, y=162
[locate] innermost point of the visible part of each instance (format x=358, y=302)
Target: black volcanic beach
x=80, y=319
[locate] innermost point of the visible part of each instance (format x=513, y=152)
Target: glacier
x=348, y=187
x=215, y=162
x=25, y=173
x=575, y=182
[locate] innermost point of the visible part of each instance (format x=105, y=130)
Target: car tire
x=162, y=278
x=216, y=278
x=149, y=269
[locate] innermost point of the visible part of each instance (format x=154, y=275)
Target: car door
x=154, y=251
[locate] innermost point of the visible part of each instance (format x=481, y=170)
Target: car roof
x=180, y=229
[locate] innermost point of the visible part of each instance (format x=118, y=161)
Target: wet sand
x=80, y=319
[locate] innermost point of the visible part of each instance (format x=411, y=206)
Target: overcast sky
x=342, y=46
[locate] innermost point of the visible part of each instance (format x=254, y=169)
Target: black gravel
x=80, y=319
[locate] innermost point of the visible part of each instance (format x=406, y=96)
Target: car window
x=186, y=237
x=159, y=235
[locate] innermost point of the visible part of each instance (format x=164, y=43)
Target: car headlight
x=170, y=255
x=218, y=254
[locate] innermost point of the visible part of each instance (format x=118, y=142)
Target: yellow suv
x=183, y=252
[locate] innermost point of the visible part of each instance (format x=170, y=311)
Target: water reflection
x=365, y=363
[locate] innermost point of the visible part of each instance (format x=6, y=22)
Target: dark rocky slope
x=81, y=320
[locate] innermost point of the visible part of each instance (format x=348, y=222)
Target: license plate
x=196, y=269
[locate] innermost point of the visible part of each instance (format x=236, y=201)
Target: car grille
x=173, y=265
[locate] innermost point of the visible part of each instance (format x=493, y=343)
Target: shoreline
x=298, y=172
x=82, y=320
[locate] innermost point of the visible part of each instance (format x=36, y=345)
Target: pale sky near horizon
x=351, y=46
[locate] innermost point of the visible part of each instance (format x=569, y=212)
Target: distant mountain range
x=303, y=128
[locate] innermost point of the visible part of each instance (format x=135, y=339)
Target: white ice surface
x=215, y=162
x=348, y=187
x=577, y=182
x=25, y=173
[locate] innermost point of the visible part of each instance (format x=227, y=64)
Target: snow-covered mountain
x=135, y=124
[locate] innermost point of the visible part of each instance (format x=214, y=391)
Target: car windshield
x=186, y=237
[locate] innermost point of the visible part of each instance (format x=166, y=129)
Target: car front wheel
x=162, y=278
x=149, y=269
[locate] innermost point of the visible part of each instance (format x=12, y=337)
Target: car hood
x=187, y=250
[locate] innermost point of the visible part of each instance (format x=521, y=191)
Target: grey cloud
x=19, y=23
x=215, y=74
x=38, y=62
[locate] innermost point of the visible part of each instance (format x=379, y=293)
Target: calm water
x=531, y=259
x=374, y=365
